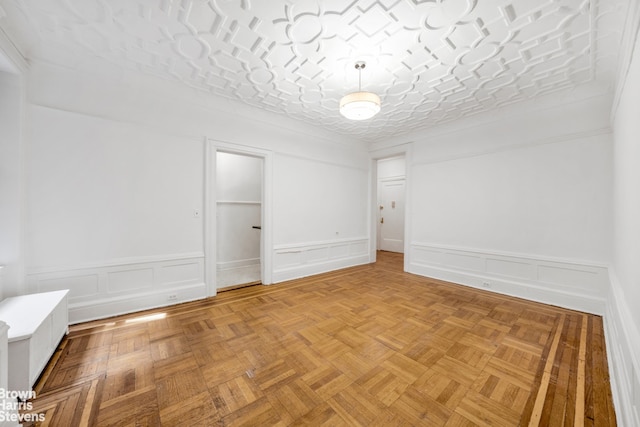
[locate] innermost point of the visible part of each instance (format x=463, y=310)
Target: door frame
x=212, y=147
x=404, y=150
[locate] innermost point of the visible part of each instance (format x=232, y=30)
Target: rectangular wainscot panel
x=566, y=283
x=301, y=260
x=127, y=280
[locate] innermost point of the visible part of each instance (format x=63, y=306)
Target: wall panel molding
x=238, y=202
x=230, y=273
x=99, y=291
x=301, y=260
x=623, y=354
x=16, y=58
x=116, y=262
x=577, y=285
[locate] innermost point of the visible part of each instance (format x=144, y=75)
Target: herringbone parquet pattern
x=365, y=346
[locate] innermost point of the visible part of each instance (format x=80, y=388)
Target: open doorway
x=239, y=206
x=391, y=173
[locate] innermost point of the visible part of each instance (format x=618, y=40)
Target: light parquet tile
x=356, y=406
x=235, y=394
x=365, y=346
x=326, y=381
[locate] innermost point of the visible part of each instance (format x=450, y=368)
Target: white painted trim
x=297, y=247
x=405, y=151
x=12, y=53
x=630, y=37
x=372, y=212
x=336, y=161
x=397, y=151
x=131, y=303
x=112, y=289
x=233, y=273
x=238, y=202
x=623, y=353
x=408, y=203
x=210, y=213
x=266, y=253
x=393, y=178
x=267, y=201
x=114, y=263
x=504, y=113
x=225, y=265
x=298, y=272
x=302, y=260
x=221, y=107
x=520, y=255
x=570, y=284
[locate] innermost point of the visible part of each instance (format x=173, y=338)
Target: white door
x=239, y=219
x=391, y=215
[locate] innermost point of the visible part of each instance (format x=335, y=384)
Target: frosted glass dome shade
x=360, y=105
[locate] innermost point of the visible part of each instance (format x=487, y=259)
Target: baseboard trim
x=232, y=273
x=623, y=353
x=302, y=260
x=317, y=268
x=571, y=284
x=103, y=291
x=115, y=262
x=126, y=304
x=530, y=292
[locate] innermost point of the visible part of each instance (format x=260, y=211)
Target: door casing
x=404, y=150
x=210, y=212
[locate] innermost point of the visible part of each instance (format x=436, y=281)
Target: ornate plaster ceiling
x=431, y=61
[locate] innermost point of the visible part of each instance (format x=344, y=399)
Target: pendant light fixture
x=360, y=105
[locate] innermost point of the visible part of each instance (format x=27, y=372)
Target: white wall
x=320, y=214
x=494, y=207
x=318, y=201
x=626, y=260
x=110, y=213
x=11, y=171
x=622, y=320
x=548, y=200
x=100, y=190
x=116, y=166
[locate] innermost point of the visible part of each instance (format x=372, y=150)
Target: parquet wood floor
x=364, y=346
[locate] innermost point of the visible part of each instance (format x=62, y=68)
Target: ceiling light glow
x=360, y=105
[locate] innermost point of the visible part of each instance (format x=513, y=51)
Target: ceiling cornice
x=430, y=62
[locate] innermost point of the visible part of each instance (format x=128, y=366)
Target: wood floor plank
x=603, y=402
x=580, y=379
x=367, y=345
x=545, y=379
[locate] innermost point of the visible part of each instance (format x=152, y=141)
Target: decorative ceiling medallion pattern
x=432, y=61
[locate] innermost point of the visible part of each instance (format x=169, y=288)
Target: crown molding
x=629, y=41
x=12, y=54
